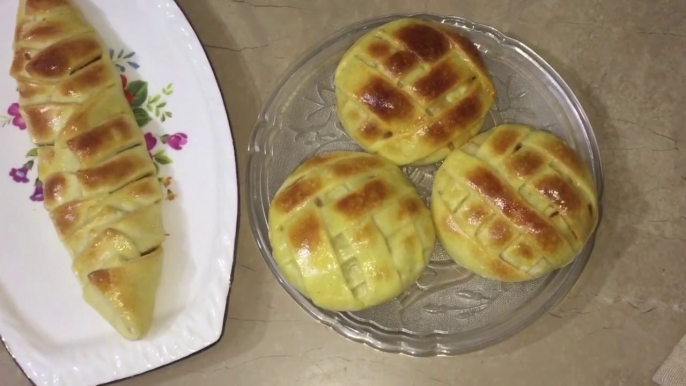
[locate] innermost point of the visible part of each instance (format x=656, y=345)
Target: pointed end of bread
x=125, y=295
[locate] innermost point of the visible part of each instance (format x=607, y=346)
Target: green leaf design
x=163, y=118
x=168, y=114
x=139, y=89
x=142, y=117
x=157, y=168
x=154, y=99
x=120, y=53
x=29, y=165
x=168, y=90
x=164, y=138
x=162, y=105
x=157, y=112
x=162, y=158
x=32, y=153
x=38, y=182
x=130, y=54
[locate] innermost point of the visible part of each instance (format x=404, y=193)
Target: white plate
x=54, y=336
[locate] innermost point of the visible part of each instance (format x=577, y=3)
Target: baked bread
x=349, y=231
x=514, y=204
x=412, y=90
x=99, y=181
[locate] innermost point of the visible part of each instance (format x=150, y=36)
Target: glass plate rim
x=368, y=333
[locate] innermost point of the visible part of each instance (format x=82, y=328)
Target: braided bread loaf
x=412, y=90
x=349, y=231
x=514, y=204
x=100, y=185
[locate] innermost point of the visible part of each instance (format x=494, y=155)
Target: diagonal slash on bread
x=100, y=184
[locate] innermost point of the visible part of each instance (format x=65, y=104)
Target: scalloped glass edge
x=557, y=283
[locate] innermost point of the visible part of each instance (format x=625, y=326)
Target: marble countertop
x=625, y=60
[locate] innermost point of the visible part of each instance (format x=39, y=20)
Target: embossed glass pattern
x=449, y=310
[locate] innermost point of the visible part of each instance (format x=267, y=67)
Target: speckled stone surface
x=625, y=60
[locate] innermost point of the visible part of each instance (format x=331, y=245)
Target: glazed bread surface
x=412, y=90
x=514, y=203
x=100, y=185
x=349, y=231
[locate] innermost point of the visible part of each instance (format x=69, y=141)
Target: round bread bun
x=514, y=203
x=412, y=90
x=349, y=231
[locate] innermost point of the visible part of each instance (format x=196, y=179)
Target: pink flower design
x=150, y=141
x=177, y=141
x=129, y=96
x=18, y=121
x=19, y=175
x=37, y=193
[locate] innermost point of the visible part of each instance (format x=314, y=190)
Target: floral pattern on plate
x=13, y=117
x=145, y=108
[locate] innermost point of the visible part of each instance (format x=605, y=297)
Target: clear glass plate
x=449, y=310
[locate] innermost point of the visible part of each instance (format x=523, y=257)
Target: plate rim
x=364, y=334
x=204, y=58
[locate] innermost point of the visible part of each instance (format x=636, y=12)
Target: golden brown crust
x=560, y=193
x=371, y=196
x=385, y=100
x=104, y=140
x=305, y=235
x=97, y=109
x=115, y=293
x=117, y=172
x=297, y=194
x=437, y=82
x=467, y=47
x=32, y=91
x=409, y=207
x=44, y=121
x=98, y=178
x=349, y=231
x=41, y=32
x=508, y=202
x=379, y=49
x=34, y=8
x=424, y=41
x=354, y=166
x=59, y=60
x=412, y=90
x=371, y=132
x=400, y=63
x=525, y=163
x=456, y=120
x=92, y=79
x=516, y=205
x=21, y=58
